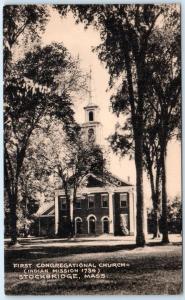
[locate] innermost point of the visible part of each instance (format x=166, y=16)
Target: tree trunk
x=137, y=123
x=72, y=217
x=12, y=199
x=13, y=218
x=140, y=237
x=155, y=201
x=68, y=201
x=165, y=238
x=72, y=228
x=156, y=222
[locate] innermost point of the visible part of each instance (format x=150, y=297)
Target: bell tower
x=92, y=127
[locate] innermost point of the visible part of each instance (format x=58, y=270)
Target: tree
x=70, y=160
x=122, y=143
x=35, y=90
x=162, y=108
x=175, y=215
x=35, y=187
x=24, y=22
x=17, y=21
x=125, y=31
x=164, y=92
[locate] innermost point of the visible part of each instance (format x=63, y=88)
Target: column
x=39, y=226
x=111, y=213
x=56, y=213
x=132, y=217
x=145, y=221
x=71, y=206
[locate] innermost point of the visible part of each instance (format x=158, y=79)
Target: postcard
x=92, y=149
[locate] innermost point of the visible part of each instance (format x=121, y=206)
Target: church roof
x=106, y=179
x=117, y=180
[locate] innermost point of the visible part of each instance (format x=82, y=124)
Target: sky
x=80, y=42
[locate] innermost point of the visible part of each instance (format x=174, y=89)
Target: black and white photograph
x=92, y=149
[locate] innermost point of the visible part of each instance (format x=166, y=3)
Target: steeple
x=90, y=86
x=91, y=90
x=92, y=126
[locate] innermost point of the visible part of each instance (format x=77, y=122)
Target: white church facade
x=104, y=205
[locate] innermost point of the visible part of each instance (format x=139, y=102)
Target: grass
x=154, y=269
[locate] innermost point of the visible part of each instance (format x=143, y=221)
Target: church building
x=103, y=206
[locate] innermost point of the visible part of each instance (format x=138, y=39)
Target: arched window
x=91, y=136
x=78, y=225
x=91, y=116
x=105, y=225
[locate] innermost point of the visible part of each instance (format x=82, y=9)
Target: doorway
x=92, y=225
x=105, y=225
x=78, y=225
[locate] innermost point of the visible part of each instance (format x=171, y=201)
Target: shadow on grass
x=155, y=244
x=43, y=241
x=57, y=253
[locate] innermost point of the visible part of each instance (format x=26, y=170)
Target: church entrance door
x=105, y=225
x=78, y=226
x=92, y=225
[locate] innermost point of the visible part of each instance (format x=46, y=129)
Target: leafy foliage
x=22, y=22
x=37, y=89
x=175, y=215
x=68, y=161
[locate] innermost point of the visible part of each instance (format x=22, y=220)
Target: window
x=63, y=205
x=78, y=203
x=123, y=200
x=91, y=116
x=104, y=200
x=91, y=201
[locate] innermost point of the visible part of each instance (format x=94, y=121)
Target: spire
x=90, y=90
x=90, y=86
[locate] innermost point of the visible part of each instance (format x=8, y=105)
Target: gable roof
x=114, y=178
x=107, y=179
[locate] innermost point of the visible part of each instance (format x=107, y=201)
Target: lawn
x=155, y=269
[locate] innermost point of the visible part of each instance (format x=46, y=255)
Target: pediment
x=93, y=181
x=108, y=179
